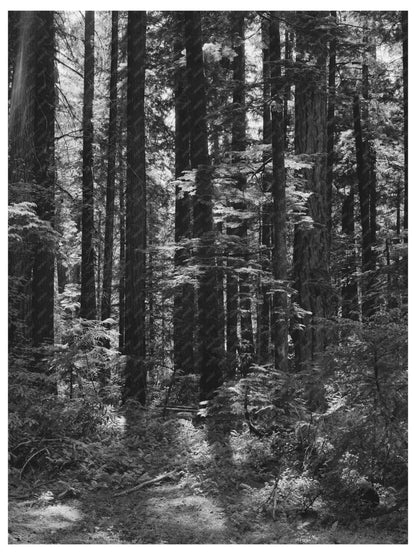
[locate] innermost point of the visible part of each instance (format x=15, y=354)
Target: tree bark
x=122, y=266
x=135, y=384
x=405, y=116
x=311, y=277
x=364, y=179
x=111, y=175
x=184, y=297
x=209, y=344
x=369, y=290
x=280, y=300
x=88, y=299
x=32, y=171
x=289, y=39
x=331, y=130
x=238, y=145
x=44, y=174
x=349, y=292
x=264, y=320
x=21, y=154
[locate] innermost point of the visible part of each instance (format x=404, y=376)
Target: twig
x=30, y=458
x=146, y=483
x=69, y=67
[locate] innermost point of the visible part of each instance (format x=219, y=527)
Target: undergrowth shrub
x=361, y=436
x=351, y=448
x=68, y=399
x=294, y=492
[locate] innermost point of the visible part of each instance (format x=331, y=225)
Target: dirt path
x=216, y=497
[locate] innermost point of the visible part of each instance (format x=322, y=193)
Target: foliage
x=314, y=439
x=53, y=411
x=26, y=227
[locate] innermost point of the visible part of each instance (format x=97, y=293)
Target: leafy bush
x=354, y=448
x=362, y=435
x=64, y=402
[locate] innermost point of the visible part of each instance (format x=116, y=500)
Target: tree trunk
x=311, y=278
x=122, y=266
x=13, y=44
x=231, y=316
x=238, y=145
x=88, y=301
x=266, y=223
x=209, y=344
x=111, y=174
x=21, y=154
x=22, y=105
x=135, y=385
x=99, y=257
x=331, y=131
x=369, y=158
x=44, y=174
x=289, y=39
x=405, y=115
x=183, y=310
x=364, y=178
x=234, y=232
x=280, y=301
x=31, y=138
x=349, y=282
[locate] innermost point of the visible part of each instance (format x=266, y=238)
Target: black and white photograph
x=207, y=275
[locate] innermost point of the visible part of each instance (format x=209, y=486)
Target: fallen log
x=142, y=485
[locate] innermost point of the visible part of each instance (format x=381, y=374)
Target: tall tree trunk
x=44, y=174
x=21, y=155
x=349, y=292
x=22, y=105
x=99, y=258
x=280, y=300
x=289, y=39
x=231, y=305
x=31, y=138
x=13, y=44
x=135, y=385
x=266, y=223
x=369, y=158
x=88, y=301
x=111, y=174
x=184, y=298
x=214, y=137
x=233, y=232
x=311, y=277
x=209, y=344
x=331, y=130
x=231, y=316
x=238, y=145
x=122, y=264
x=405, y=114
x=221, y=291
x=405, y=16
x=364, y=178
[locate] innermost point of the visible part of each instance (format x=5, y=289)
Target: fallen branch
x=31, y=458
x=147, y=483
x=182, y=409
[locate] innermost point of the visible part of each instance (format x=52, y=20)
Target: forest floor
x=217, y=492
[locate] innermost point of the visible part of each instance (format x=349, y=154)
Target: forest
x=208, y=291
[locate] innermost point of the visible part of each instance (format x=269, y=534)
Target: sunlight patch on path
x=185, y=519
x=29, y=524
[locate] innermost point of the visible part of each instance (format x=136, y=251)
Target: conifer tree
x=88, y=297
x=135, y=265
x=208, y=344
